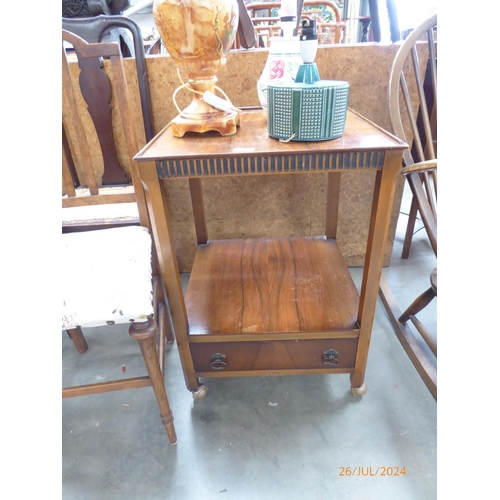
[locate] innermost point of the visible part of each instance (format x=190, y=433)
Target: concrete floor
x=257, y=437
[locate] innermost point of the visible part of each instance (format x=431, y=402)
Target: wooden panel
x=274, y=355
x=270, y=285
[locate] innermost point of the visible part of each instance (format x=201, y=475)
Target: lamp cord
x=289, y=139
x=191, y=89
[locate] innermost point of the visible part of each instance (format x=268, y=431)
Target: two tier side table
x=271, y=306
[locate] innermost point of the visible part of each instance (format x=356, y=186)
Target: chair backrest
x=102, y=85
x=331, y=28
x=157, y=47
x=413, y=113
x=93, y=30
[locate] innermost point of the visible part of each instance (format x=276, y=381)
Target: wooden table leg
x=332, y=204
x=167, y=260
x=385, y=186
x=200, y=222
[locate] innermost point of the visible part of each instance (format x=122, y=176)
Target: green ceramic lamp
x=309, y=109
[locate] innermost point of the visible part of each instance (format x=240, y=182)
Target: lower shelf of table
x=271, y=306
x=270, y=285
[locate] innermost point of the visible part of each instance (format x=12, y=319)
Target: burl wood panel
x=270, y=285
x=273, y=206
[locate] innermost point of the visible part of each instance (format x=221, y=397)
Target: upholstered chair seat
x=113, y=281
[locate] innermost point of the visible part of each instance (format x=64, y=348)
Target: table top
x=252, y=140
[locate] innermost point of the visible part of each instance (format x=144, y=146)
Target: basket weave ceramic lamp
x=198, y=34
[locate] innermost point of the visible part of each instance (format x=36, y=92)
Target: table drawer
x=274, y=355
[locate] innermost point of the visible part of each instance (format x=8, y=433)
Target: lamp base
x=202, y=117
x=226, y=124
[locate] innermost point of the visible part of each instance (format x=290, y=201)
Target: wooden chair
x=93, y=30
x=265, y=17
x=114, y=270
x=115, y=212
x=414, y=113
x=413, y=116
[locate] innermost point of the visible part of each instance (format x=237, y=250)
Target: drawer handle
x=218, y=361
x=330, y=357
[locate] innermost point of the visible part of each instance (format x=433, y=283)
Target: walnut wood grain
x=270, y=285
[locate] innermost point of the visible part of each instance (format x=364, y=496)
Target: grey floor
x=258, y=437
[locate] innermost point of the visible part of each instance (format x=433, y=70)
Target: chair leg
x=417, y=305
x=424, y=364
x=144, y=333
x=425, y=334
x=410, y=227
x=161, y=311
x=164, y=322
x=76, y=335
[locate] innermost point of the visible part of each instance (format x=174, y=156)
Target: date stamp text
x=372, y=471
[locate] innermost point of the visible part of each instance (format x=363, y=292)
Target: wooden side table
x=271, y=306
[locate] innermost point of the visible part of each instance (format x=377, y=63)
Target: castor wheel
x=200, y=393
x=359, y=391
